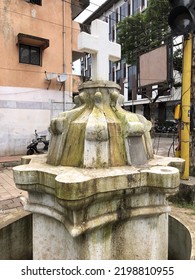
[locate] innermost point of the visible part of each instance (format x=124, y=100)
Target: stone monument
x=99, y=193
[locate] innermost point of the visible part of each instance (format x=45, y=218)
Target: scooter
x=33, y=146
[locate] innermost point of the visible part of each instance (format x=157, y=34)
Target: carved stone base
x=99, y=193
x=113, y=213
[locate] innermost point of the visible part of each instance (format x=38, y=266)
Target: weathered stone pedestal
x=99, y=193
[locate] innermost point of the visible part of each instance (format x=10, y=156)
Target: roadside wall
x=16, y=236
x=180, y=244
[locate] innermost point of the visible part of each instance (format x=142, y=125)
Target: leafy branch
x=143, y=32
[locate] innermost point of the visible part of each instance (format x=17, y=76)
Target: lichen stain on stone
x=117, y=152
x=97, y=127
x=73, y=150
x=98, y=161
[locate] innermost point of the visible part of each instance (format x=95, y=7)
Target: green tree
x=143, y=32
x=177, y=60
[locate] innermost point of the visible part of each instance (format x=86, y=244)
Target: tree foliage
x=177, y=60
x=143, y=32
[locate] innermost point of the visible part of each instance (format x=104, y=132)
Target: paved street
x=11, y=198
x=164, y=146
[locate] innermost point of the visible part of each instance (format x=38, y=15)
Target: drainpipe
x=185, y=104
x=63, y=50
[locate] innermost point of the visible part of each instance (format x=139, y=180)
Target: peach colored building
x=38, y=45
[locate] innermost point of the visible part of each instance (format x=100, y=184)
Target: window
x=132, y=82
x=117, y=15
x=112, y=23
x=136, y=6
x=37, y=2
x=111, y=71
x=124, y=10
x=113, y=74
x=29, y=54
x=118, y=76
x=31, y=48
x=143, y=4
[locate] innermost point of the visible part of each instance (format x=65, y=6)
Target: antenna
x=61, y=78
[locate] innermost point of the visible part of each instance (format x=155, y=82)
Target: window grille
x=29, y=54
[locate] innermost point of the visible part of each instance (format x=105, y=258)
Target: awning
x=33, y=41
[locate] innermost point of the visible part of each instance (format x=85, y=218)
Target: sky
x=94, y=5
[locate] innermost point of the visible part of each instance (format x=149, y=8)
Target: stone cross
x=97, y=43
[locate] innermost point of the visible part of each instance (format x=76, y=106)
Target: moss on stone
x=74, y=146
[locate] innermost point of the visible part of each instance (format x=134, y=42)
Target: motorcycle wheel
x=30, y=152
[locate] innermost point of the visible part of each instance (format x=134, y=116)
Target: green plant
x=182, y=204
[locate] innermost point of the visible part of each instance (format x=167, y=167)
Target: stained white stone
x=97, y=43
x=103, y=213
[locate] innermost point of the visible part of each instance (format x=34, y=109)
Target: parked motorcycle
x=38, y=145
x=169, y=126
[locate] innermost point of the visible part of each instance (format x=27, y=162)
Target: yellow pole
x=185, y=105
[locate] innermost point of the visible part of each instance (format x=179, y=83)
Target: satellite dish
x=62, y=78
x=50, y=76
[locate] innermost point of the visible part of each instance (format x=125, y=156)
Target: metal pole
x=185, y=105
x=64, y=51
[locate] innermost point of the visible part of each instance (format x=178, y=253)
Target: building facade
x=126, y=75
x=38, y=45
